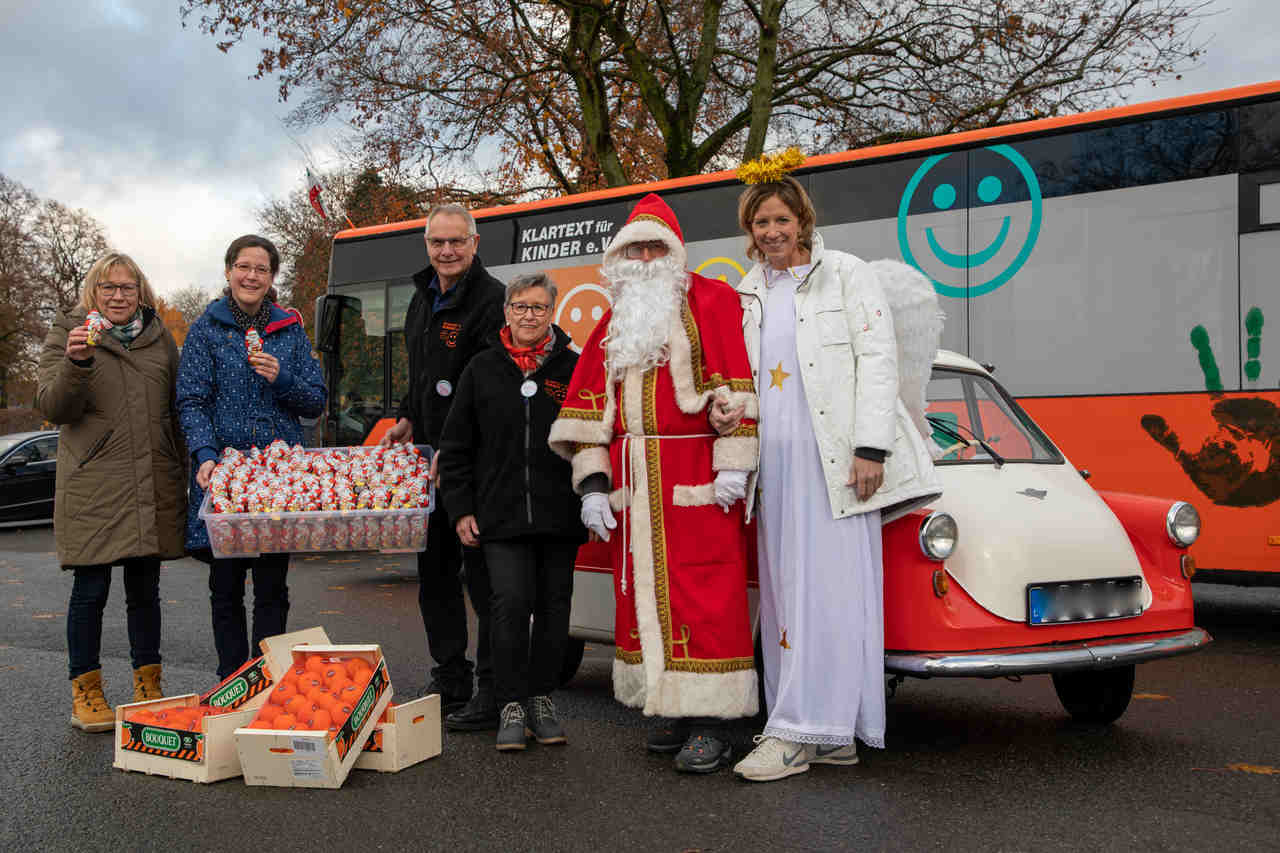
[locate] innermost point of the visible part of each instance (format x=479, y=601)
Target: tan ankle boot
x=89, y=708
x=146, y=683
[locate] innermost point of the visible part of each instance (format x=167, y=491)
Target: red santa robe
x=682, y=626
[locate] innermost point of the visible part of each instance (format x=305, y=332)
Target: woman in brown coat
x=121, y=491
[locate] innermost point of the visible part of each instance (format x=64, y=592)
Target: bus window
x=400, y=295
x=358, y=387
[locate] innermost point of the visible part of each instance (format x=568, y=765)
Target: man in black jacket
x=456, y=312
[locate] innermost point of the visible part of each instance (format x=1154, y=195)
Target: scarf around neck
x=529, y=358
x=259, y=321
x=126, y=333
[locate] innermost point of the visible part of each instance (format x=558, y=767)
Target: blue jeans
x=226, y=595
x=89, y=594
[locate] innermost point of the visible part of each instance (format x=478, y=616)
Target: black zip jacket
x=441, y=343
x=494, y=460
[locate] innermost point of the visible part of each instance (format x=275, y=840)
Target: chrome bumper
x=1102, y=653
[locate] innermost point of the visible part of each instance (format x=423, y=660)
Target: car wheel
x=1098, y=696
x=573, y=651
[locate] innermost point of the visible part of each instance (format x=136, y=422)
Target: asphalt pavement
x=970, y=765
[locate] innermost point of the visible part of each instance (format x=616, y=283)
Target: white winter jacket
x=848, y=365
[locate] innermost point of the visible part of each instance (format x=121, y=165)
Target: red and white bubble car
x=1020, y=568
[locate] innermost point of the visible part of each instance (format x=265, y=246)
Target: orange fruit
x=269, y=712
x=261, y=724
x=285, y=721
x=283, y=692
x=338, y=682
x=306, y=685
x=297, y=705
x=315, y=664
x=143, y=716
x=321, y=720
x=340, y=712
x=354, y=665
x=350, y=694
x=331, y=669
x=298, y=670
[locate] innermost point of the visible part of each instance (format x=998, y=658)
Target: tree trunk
x=766, y=69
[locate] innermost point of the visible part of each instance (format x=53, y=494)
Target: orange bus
x=1117, y=268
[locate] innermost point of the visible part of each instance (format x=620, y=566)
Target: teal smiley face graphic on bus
x=989, y=189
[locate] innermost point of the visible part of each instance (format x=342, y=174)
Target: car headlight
x=1182, y=524
x=938, y=536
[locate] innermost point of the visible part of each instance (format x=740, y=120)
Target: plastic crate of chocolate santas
x=288, y=499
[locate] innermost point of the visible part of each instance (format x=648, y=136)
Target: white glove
x=597, y=515
x=730, y=486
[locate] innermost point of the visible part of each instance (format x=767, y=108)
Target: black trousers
x=89, y=594
x=529, y=578
x=444, y=612
x=270, y=606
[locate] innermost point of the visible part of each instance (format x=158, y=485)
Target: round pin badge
x=529, y=388
x=444, y=388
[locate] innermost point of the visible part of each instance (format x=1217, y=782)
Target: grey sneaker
x=773, y=758
x=821, y=753
x=542, y=722
x=511, y=728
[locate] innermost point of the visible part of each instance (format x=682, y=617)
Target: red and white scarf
x=528, y=359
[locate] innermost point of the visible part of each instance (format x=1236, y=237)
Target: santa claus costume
x=682, y=629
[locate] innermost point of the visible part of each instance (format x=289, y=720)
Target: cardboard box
x=204, y=756
x=249, y=685
x=411, y=734
x=210, y=754
x=304, y=759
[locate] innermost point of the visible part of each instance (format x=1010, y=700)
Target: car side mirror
x=1086, y=473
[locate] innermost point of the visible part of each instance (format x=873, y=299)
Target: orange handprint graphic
x=1239, y=463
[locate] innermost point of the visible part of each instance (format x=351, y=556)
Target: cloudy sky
x=115, y=108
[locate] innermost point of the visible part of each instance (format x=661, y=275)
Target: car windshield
x=966, y=409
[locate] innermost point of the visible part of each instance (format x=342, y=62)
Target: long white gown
x=821, y=579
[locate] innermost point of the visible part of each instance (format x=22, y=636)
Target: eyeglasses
x=113, y=289
x=454, y=243
x=522, y=308
x=245, y=269
x=637, y=251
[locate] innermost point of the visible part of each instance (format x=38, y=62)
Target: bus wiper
x=952, y=430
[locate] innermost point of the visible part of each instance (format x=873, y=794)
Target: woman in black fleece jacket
x=512, y=496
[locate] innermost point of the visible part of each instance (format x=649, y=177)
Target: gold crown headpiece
x=768, y=168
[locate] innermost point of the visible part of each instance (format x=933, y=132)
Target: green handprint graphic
x=1239, y=464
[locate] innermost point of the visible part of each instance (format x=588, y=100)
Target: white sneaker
x=821, y=753
x=773, y=758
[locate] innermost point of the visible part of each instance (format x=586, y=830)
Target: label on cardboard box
x=158, y=740
x=247, y=682
x=347, y=734
x=307, y=768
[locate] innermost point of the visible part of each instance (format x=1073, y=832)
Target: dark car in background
x=28, y=465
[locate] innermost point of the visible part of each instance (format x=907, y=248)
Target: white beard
x=645, y=295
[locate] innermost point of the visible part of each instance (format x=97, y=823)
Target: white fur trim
x=588, y=461
x=642, y=231
x=618, y=500
x=700, y=495
x=747, y=399
x=688, y=399
x=566, y=432
x=728, y=695
x=735, y=453
x=628, y=683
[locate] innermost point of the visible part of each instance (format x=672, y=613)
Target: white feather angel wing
x=917, y=323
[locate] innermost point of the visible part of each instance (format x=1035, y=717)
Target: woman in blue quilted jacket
x=228, y=397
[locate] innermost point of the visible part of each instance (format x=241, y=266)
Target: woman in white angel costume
x=841, y=351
